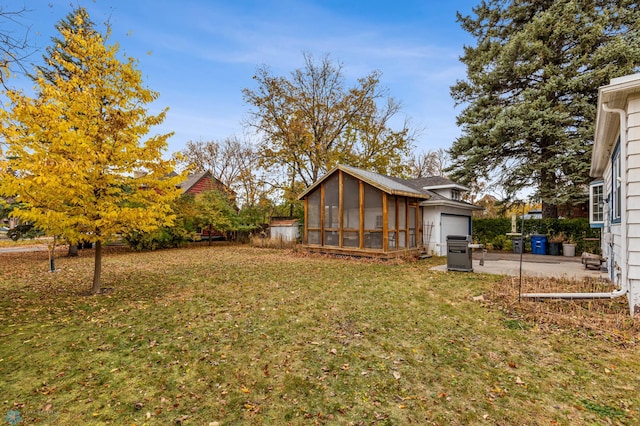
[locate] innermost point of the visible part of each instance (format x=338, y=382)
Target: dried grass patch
x=276, y=243
x=608, y=319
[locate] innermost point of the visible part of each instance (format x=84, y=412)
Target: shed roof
x=284, y=222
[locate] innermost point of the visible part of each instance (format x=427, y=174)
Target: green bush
x=500, y=242
x=23, y=232
x=493, y=232
x=162, y=238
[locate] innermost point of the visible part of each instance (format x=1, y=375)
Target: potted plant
x=555, y=244
x=569, y=247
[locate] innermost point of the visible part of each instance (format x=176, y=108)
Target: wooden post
x=322, y=214
x=305, y=230
x=385, y=223
x=340, y=206
x=361, y=231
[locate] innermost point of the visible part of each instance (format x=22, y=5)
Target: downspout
x=623, y=290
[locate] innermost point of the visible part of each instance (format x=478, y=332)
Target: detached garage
x=444, y=213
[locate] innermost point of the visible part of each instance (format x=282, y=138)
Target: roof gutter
x=624, y=288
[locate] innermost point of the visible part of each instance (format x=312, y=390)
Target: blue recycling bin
x=539, y=244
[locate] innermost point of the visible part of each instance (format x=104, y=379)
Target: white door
x=452, y=225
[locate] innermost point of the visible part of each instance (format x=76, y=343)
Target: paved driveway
x=23, y=249
x=503, y=263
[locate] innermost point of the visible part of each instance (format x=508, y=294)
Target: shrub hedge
x=492, y=232
x=169, y=237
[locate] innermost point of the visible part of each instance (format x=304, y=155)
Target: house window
x=455, y=195
x=616, y=185
x=596, y=204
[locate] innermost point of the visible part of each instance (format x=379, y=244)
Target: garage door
x=452, y=225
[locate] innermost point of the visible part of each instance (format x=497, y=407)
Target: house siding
x=432, y=218
x=203, y=185
x=633, y=198
x=431, y=234
x=615, y=250
x=610, y=242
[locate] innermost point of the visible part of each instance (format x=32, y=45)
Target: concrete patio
x=506, y=263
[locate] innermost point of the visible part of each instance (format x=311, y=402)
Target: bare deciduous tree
x=429, y=163
x=14, y=41
x=233, y=161
x=310, y=122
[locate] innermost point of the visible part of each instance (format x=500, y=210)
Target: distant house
x=533, y=214
x=614, y=204
x=198, y=183
x=358, y=212
x=489, y=203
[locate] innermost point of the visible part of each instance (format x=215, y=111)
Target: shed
x=285, y=228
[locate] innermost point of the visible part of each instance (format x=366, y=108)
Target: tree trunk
x=97, y=270
x=73, y=250
x=549, y=211
x=209, y=234
x=52, y=256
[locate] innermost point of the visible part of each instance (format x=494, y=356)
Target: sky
x=200, y=54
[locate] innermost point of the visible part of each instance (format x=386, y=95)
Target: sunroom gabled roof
x=384, y=183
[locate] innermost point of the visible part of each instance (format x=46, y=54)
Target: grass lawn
x=238, y=335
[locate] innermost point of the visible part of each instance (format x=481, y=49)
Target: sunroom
x=361, y=213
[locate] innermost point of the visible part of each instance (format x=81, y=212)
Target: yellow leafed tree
x=73, y=150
